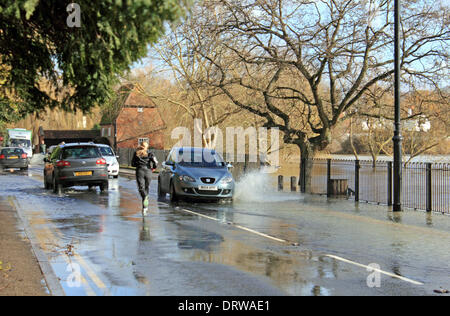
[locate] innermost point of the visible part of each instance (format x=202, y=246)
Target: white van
x=21, y=138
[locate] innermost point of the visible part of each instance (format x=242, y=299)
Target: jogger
x=143, y=178
x=145, y=163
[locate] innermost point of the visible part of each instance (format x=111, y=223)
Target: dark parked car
x=12, y=157
x=75, y=165
x=197, y=173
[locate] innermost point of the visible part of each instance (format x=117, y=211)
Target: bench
x=338, y=186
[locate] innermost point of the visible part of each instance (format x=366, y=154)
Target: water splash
x=261, y=187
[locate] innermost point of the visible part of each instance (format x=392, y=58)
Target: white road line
x=260, y=234
x=374, y=269
x=237, y=226
x=198, y=214
x=330, y=256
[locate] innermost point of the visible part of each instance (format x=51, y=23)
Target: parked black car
x=13, y=157
x=78, y=164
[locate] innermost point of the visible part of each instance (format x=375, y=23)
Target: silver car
x=195, y=173
x=78, y=164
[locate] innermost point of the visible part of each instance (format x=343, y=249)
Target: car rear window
x=80, y=152
x=12, y=151
x=106, y=151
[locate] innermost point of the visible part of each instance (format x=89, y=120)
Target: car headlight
x=227, y=180
x=187, y=179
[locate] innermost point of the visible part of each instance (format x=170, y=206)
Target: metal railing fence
x=425, y=186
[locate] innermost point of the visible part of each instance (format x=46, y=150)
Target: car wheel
x=116, y=177
x=161, y=193
x=104, y=187
x=173, y=194
x=46, y=184
x=57, y=187
x=54, y=185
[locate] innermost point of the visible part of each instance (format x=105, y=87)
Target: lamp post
x=397, y=181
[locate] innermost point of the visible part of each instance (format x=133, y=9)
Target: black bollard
x=293, y=184
x=280, y=183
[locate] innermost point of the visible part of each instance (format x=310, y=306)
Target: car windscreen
x=12, y=151
x=20, y=143
x=201, y=159
x=80, y=152
x=106, y=151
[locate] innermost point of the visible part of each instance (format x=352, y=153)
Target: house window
x=143, y=140
x=140, y=110
x=106, y=132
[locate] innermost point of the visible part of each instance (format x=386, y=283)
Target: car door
x=166, y=172
x=50, y=166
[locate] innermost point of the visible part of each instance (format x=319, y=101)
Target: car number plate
x=82, y=174
x=207, y=188
x=13, y=157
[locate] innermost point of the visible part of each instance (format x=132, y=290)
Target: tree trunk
x=306, y=164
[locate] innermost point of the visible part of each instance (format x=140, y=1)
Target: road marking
x=237, y=226
x=90, y=272
x=374, y=269
x=198, y=214
x=46, y=234
x=260, y=234
x=80, y=260
x=330, y=256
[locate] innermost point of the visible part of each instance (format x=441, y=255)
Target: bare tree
x=179, y=51
x=308, y=63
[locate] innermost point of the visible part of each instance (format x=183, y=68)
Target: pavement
x=20, y=272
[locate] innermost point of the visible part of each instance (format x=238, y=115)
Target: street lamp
x=397, y=181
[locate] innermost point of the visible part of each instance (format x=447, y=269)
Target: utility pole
x=397, y=207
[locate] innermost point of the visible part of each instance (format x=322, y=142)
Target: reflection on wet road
x=287, y=245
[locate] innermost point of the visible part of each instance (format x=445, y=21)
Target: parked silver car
x=196, y=173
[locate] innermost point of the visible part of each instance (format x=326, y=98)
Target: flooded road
x=265, y=244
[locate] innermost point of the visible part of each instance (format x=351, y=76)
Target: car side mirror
x=169, y=164
x=229, y=166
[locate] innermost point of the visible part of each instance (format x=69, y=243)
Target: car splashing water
x=261, y=187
